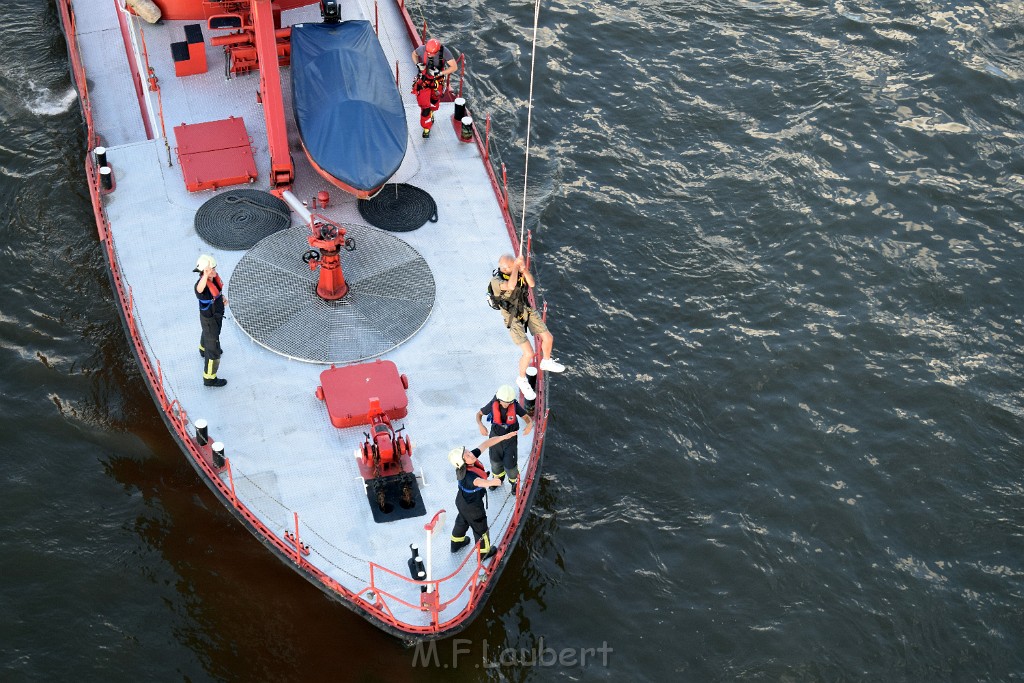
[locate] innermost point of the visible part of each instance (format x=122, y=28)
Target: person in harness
x=435, y=63
x=469, y=501
x=508, y=292
x=210, y=293
x=503, y=412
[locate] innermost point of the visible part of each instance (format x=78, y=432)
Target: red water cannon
x=327, y=240
x=384, y=447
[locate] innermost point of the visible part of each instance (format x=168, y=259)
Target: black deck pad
x=393, y=509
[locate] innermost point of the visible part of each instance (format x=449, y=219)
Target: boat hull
x=482, y=578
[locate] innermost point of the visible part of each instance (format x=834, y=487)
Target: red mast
x=282, y=173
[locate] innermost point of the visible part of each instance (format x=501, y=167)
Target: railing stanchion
x=487, y=135
x=529, y=246
x=231, y=480
x=504, y=186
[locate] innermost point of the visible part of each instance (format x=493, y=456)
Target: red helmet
x=433, y=46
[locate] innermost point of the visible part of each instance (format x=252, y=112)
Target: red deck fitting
x=215, y=154
x=189, y=55
x=347, y=392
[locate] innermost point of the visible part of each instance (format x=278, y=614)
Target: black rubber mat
x=394, y=508
x=399, y=207
x=238, y=219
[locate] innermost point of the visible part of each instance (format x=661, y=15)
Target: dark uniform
x=469, y=501
x=505, y=455
x=211, y=317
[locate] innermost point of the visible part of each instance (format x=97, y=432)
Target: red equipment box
x=189, y=55
x=347, y=392
x=215, y=154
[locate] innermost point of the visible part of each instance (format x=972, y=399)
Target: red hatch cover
x=215, y=154
x=347, y=392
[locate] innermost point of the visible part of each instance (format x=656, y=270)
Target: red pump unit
x=384, y=449
x=385, y=463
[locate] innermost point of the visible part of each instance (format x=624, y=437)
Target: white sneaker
x=528, y=393
x=551, y=365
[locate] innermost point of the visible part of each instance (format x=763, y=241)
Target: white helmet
x=205, y=261
x=505, y=393
x=455, y=457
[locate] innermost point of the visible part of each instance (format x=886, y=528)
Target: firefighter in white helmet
x=210, y=293
x=469, y=501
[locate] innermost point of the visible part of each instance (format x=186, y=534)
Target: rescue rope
x=399, y=207
x=239, y=218
x=529, y=112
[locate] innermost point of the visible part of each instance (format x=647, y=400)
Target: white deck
x=285, y=455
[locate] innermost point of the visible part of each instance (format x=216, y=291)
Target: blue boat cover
x=347, y=106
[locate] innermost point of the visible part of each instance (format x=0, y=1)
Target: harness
x=214, y=287
x=426, y=80
x=510, y=417
x=479, y=472
x=516, y=304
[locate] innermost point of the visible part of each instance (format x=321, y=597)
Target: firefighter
x=469, y=501
x=210, y=293
x=435, y=63
x=503, y=412
x=509, y=289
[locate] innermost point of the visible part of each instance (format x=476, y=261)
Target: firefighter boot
x=210, y=378
x=487, y=551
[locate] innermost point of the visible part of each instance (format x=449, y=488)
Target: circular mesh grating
x=273, y=297
x=399, y=207
x=238, y=219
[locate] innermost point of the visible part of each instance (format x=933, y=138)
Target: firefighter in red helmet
x=435, y=63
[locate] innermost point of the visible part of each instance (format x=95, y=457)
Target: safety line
x=529, y=112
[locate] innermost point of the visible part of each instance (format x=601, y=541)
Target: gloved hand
x=434, y=72
x=420, y=66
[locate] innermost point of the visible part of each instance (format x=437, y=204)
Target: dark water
x=781, y=244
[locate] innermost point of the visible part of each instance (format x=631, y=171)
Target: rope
x=239, y=218
x=399, y=207
x=529, y=112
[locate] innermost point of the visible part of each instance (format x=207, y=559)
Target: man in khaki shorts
x=509, y=291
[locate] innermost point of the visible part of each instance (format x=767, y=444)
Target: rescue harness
x=516, y=304
x=426, y=79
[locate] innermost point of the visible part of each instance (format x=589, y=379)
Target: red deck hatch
x=347, y=392
x=215, y=154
